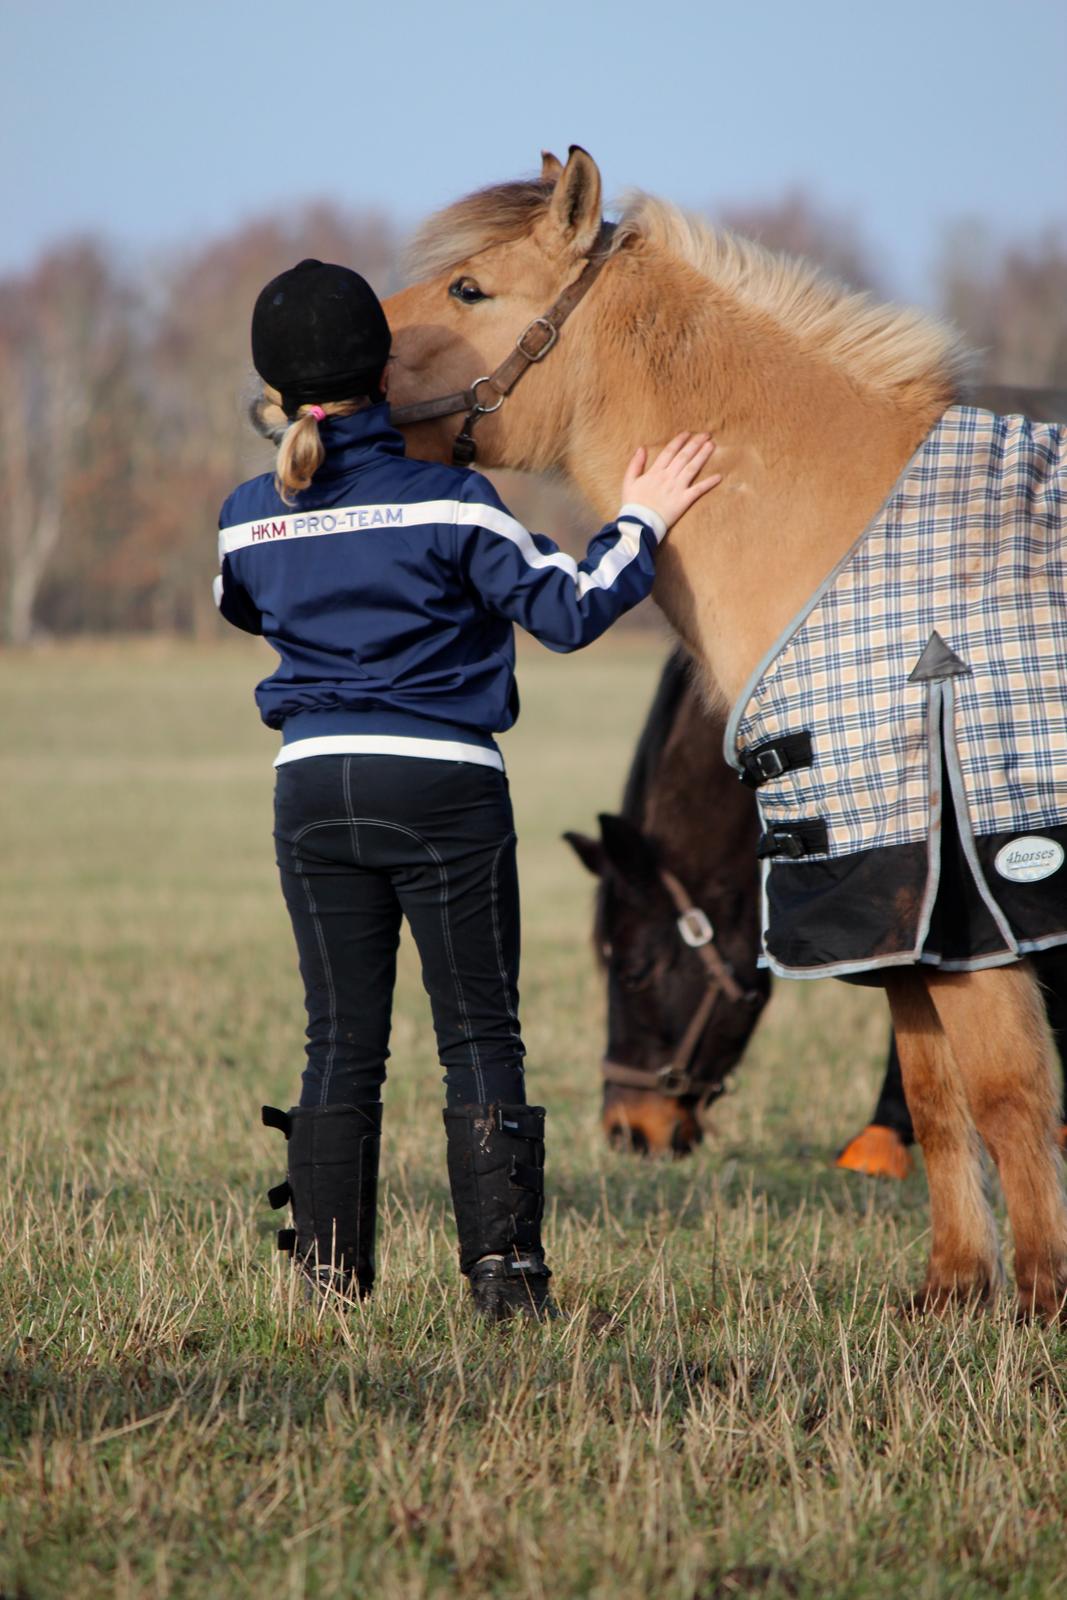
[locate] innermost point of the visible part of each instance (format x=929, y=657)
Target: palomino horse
x=818, y=400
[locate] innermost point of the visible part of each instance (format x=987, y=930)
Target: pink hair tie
x=317, y=412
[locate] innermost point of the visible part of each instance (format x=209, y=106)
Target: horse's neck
x=807, y=456
x=706, y=825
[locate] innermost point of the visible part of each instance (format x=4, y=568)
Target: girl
x=389, y=588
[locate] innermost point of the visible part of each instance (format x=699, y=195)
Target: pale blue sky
x=157, y=123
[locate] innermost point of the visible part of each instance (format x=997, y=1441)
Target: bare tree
x=1011, y=302
x=801, y=227
x=61, y=333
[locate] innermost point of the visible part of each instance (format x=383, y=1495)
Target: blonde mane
x=879, y=346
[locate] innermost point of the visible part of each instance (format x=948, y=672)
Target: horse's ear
x=629, y=851
x=590, y=852
x=551, y=167
x=575, y=208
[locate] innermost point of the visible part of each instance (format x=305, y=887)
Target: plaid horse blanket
x=907, y=735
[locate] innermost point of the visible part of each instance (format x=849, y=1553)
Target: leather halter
x=676, y=1078
x=532, y=345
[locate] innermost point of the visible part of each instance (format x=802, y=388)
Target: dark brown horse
x=675, y=1030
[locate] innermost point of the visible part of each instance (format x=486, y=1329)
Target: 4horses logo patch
x=1027, y=860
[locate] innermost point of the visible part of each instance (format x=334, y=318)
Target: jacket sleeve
x=527, y=578
x=234, y=601
x=231, y=597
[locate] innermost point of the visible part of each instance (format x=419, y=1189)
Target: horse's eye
x=636, y=975
x=467, y=290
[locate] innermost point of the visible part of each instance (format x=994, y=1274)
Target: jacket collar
x=365, y=432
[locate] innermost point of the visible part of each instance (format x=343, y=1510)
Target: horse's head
x=656, y=987
x=487, y=268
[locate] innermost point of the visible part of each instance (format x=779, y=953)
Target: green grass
x=732, y=1404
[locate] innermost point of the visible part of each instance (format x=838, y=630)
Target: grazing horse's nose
x=641, y=1122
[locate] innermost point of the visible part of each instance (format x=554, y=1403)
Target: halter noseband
x=677, y=1078
x=532, y=345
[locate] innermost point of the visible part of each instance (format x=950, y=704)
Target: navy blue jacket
x=389, y=589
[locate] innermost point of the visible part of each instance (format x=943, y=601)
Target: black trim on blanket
x=832, y=914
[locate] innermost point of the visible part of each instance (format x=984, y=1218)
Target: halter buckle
x=537, y=355
x=694, y=927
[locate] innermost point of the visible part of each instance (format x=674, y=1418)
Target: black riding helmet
x=319, y=333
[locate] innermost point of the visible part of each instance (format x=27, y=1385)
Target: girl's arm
x=567, y=604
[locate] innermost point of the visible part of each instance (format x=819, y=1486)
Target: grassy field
x=732, y=1404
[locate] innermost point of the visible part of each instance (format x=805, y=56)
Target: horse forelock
x=495, y=215
x=880, y=345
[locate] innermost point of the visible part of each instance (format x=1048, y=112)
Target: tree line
x=123, y=422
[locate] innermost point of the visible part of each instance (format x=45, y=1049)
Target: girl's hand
x=667, y=485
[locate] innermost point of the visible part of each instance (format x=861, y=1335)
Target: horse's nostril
x=623, y=1136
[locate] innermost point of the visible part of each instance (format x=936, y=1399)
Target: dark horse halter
x=532, y=345
x=677, y=1079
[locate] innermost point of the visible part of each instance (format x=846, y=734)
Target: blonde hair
x=300, y=448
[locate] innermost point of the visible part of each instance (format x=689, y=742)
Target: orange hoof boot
x=879, y=1152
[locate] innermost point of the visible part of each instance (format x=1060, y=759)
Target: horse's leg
x=964, y=1253
x=997, y=1024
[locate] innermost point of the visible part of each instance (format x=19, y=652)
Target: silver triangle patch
x=937, y=661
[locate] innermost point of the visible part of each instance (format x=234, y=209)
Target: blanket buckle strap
x=794, y=840
x=774, y=757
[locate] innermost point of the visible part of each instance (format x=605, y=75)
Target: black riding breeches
x=364, y=841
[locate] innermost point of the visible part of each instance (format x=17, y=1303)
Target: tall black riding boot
x=496, y=1167
x=333, y=1186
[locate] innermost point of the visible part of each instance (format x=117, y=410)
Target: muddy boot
x=496, y=1167
x=333, y=1187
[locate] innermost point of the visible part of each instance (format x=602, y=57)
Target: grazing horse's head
x=656, y=986
x=487, y=267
